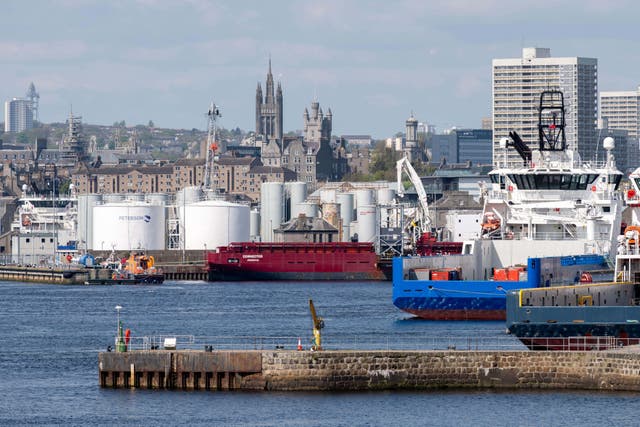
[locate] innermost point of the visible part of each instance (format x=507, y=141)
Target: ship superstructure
x=44, y=229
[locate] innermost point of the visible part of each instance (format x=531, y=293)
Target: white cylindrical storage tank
x=346, y=213
x=297, y=193
x=367, y=218
x=129, y=226
x=327, y=195
x=346, y=207
x=386, y=196
x=161, y=199
x=310, y=210
x=135, y=197
x=86, y=202
x=364, y=197
x=189, y=195
x=272, y=209
x=212, y=223
x=113, y=197
x=254, y=225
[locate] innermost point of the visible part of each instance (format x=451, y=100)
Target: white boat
x=44, y=229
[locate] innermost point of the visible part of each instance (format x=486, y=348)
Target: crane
x=318, y=324
x=421, y=221
x=212, y=147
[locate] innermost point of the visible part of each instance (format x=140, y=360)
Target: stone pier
x=288, y=370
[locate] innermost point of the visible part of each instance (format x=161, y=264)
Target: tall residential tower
x=621, y=111
x=18, y=115
x=517, y=84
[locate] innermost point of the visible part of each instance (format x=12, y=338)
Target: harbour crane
x=420, y=222
x=212, y=146
x=318, y=324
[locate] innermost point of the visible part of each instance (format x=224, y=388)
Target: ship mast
x=212, y=147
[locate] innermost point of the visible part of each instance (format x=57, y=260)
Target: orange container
x=439, y=275
x=513, y=273
x=500, y=274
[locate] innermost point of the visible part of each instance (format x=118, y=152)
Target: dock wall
x=369, y=370
x=44, y=275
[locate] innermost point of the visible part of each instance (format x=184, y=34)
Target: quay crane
x=318, y=324
x=420, y=222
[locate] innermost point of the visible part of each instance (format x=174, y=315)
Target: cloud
x=16, y=51
x=468, y=85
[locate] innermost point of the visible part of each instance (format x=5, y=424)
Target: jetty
x=364, y=370
x=51, y=274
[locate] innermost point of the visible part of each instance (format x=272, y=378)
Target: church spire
x=269, y=86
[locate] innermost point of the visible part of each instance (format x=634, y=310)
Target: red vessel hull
x=295, y=261
x=462, y=314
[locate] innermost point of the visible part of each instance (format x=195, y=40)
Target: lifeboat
x=490, y=223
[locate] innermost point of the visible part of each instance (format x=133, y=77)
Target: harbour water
x=51, y=336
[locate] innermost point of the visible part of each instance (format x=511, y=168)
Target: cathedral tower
x=269, y=110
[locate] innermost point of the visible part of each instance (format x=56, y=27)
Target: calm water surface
x=51, y=336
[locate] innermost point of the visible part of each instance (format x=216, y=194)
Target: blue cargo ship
x=455, y=298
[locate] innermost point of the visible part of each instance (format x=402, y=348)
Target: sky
x=374, y=63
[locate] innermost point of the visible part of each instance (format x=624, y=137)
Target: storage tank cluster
x=355, y=213
x=139, y=221
x=132, y=221
x=279, y=202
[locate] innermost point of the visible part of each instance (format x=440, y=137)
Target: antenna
x=212, y=146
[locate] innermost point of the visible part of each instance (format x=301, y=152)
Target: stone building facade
x=234, y=176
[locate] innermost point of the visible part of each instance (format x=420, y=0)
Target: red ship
x=296, y=261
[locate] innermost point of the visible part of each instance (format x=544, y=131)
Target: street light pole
x=118, y=308
x=120, y=345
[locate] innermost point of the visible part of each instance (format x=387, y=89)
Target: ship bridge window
x=615, y=179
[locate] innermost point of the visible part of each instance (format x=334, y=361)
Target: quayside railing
x=354, y=342
x=414, y=343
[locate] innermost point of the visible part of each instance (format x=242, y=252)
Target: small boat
x=137, y=269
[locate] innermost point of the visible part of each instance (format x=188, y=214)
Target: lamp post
x=120, y=345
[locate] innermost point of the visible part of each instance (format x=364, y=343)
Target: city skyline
x=373, y=63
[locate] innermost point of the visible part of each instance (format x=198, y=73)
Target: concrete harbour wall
x=283, y=370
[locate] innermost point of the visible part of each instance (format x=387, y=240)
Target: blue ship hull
x=471, y=299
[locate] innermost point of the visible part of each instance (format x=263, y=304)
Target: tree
x=151, y=124
x=22, y=138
